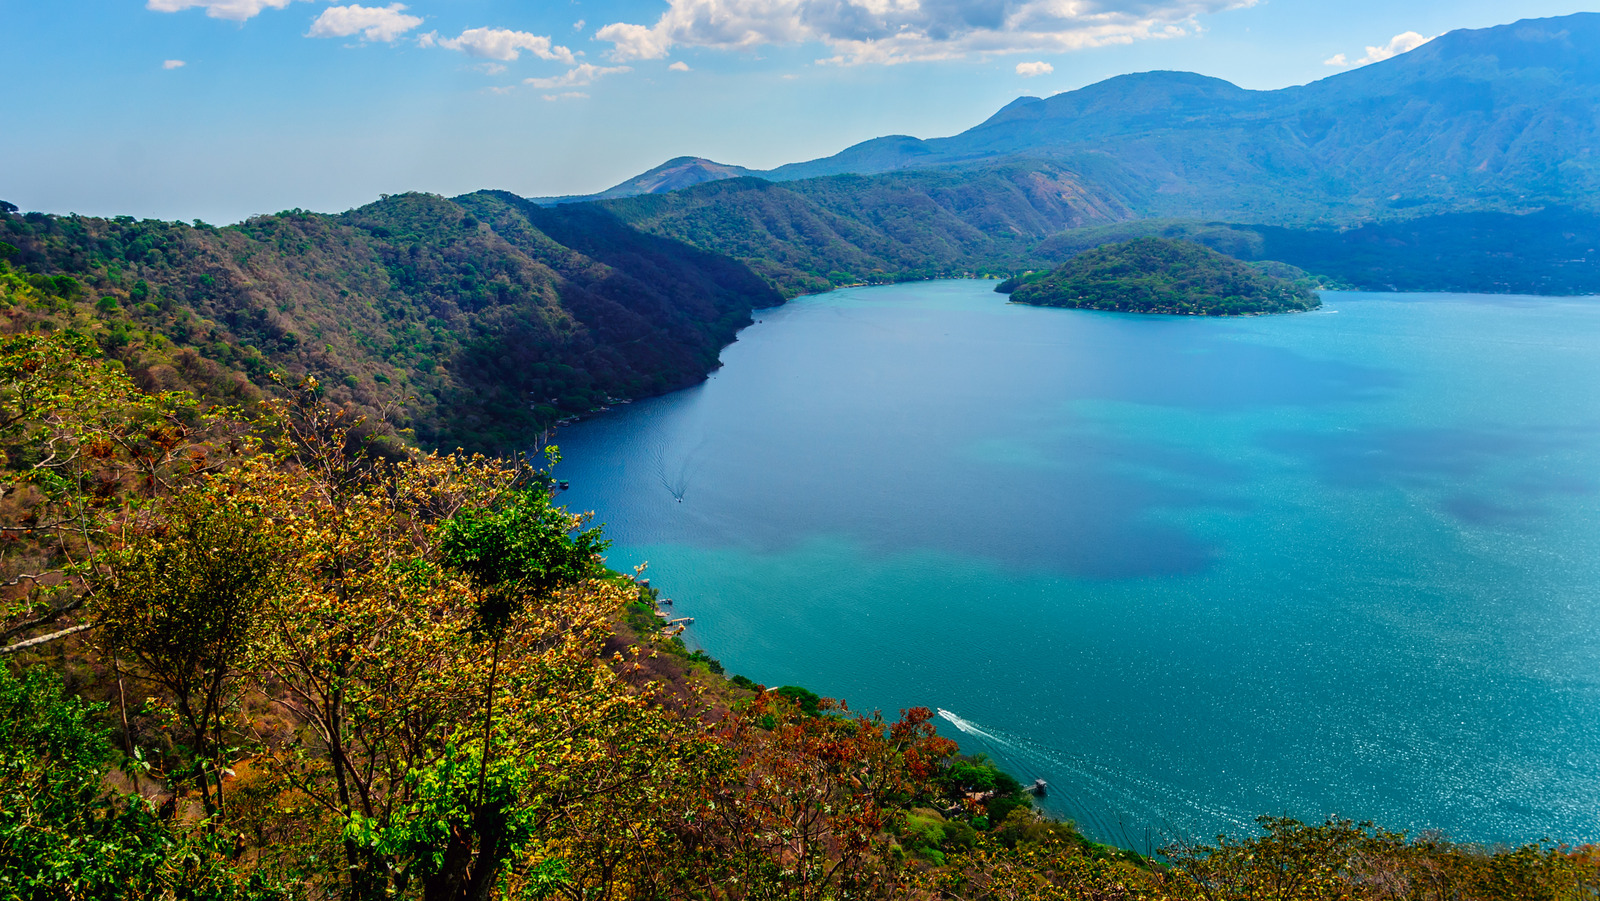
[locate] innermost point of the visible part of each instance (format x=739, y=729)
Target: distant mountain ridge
x=672, y=175
x=1500, y=118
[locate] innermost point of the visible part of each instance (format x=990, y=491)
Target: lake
x=1187, y=570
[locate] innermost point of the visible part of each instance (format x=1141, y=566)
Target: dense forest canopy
x=470, y=311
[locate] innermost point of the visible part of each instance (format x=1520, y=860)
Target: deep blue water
x=1187, y=570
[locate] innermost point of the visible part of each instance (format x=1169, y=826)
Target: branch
x=43, y=639
x=31, y=577
x=44, y=619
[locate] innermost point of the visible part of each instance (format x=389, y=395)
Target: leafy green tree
x=65, y=835
x=516, y=553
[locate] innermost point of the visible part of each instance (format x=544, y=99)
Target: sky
x=223, y=109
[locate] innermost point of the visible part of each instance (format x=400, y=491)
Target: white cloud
x=578, y=76
x=500, y=44
x=578, y=25
x=636, y=41
x=1029, y=70
x=569, y=95
x=679, y=66
x=894, y=31
x=1400, y=43
x=374, y=23
x=173, y=64
x=235, y=10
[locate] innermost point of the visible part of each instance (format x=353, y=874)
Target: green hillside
x=809, y=236
x=813, y=235
x=487, y=327
x=1158, y=275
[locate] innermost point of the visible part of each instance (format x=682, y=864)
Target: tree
x=817, y=800
x=182, y=600
x=368, y=643
x=83, y=451
x=516, y=553
x=378, y=655
x=64, y=834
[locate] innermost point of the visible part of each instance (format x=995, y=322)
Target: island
x=1159, y=275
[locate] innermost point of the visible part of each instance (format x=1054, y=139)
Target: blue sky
x=221, y=109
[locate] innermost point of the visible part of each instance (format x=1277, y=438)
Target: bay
x=1187, y=570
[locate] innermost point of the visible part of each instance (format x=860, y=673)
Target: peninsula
x=1159, y=275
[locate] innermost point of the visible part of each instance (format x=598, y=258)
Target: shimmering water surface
x=1187, y=570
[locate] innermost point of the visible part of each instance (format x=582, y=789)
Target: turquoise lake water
x=1187, y=570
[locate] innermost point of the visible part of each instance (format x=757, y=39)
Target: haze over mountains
x=1499, y=118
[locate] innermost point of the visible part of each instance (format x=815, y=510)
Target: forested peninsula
x=1160, y=275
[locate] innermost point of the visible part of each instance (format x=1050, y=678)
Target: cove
x=1187, y=570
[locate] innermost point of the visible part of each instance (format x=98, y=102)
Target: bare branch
x=44, y=639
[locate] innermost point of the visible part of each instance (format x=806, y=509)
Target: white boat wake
x=1110, y=805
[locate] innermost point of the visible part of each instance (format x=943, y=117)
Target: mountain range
x=1500, y=118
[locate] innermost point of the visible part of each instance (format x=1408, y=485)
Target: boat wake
x=676, y=476
x=1110, y=805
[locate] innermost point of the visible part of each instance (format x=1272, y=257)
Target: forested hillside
x=809, y=236
x=813, y=235
x=488, y=327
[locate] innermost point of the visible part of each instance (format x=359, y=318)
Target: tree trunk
x=473, y=859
